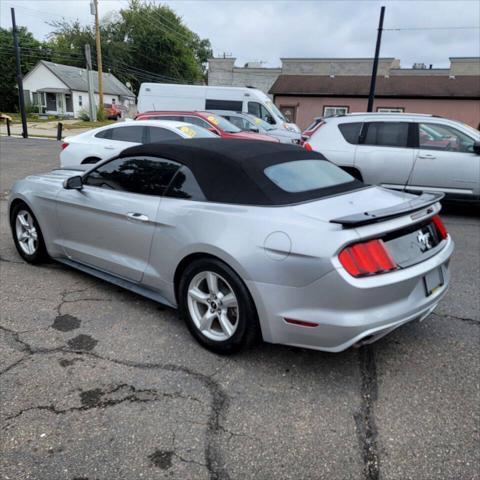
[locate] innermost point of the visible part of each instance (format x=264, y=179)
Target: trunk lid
x=353, y=203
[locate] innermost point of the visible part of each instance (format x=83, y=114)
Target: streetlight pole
x=371, y=95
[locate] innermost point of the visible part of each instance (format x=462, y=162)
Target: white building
x=62, y=90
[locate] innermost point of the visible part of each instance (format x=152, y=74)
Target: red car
x=215, y=123
x=311, y=129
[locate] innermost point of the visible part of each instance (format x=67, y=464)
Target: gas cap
x=277, y=245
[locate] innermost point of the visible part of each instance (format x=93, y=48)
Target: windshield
x=305, y=175
x=258, y=122
x=275, y=110
x=194, y=131
x=222, y=123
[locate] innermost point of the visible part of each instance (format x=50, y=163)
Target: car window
x=433, y=136
x=386, y=134
x=184, y=185
x=350, y=131
x=257, y=109
x=197, y=121
x=235, y=105
x=177, y=118
x=148, y=176
x=194, y=131
x=105, y=133
x=305, y=175
x=132, y=133
x=222, y=123
x=239, y=122
x=157, y=134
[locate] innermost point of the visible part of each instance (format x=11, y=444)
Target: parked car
x=251, y=123
x=105, y=142
x=215, y=123
x=112, y=111
x=163, y=96
x=311, y=129
x=245, y=238
x=414, y=151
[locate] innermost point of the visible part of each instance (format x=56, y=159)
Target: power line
x=402, y=29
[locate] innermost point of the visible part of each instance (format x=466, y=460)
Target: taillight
x=367, y=258
x=442, y=231
x=64, y=146
x=307, y=146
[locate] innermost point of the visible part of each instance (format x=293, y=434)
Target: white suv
x=401, y=150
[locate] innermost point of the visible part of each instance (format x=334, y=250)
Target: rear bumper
x=346, y=310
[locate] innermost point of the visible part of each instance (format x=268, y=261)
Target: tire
x=32, y=249
x=229, y=328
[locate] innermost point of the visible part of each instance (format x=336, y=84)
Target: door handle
x=109, y=147
x=427, y=156
x=139, y=217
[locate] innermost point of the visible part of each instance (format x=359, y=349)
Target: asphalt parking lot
x=98, y=383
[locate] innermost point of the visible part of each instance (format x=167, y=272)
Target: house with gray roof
x=62, y=90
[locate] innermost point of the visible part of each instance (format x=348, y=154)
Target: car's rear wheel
x=27, y=235
x=217, y=307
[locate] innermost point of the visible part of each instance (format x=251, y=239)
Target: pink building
x=303, y=97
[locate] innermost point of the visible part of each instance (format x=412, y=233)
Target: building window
x=332, y=111
x=80, y=100
x=390, y=110
x=289, y=112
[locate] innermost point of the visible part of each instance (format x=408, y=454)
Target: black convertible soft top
x=232, y=171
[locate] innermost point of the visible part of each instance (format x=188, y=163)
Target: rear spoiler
x=422, y=201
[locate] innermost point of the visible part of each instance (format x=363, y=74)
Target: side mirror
x=254, y=129
x=270, y=119
x=476, y=147
x=73, y=183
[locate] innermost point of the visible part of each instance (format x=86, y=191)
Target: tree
x=32, y=51
x=144, y=42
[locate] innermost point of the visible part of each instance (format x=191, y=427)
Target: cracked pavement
x=98, y=383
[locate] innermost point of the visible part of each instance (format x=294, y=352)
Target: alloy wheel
x=213, y=306
x=26, y=232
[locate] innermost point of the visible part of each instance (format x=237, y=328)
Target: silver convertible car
x=248, y=239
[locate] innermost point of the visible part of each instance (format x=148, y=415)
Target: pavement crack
x=471, y=321
x=214, y=462
x=365, y=419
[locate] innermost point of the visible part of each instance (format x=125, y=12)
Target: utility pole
x=99, y=56
x=91, y=94
x=21, y=97
x=373, y=81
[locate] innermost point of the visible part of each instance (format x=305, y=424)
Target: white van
x=164, y=96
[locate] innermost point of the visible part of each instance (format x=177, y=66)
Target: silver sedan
x=247, y=239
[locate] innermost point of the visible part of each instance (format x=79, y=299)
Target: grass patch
x=82, y=124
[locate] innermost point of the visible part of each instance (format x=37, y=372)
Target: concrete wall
x=336, y=66
x=465, y=66
x=222, y=72
x=467, y=111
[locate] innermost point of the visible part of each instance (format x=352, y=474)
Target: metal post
x=99, y=57
x=59, y=130
x=21, y=97
x=8, y=127
x=373, y=81
x=91, y=95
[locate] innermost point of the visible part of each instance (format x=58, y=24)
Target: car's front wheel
x=217, y=307
x=27, y=235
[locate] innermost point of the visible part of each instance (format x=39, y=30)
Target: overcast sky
x=268, y=30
